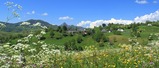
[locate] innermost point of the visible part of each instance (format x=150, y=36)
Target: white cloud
x=148, y=17
x=45, y=14
x=28, y=13
x=83, y=23
x=155, y=2
x=100, y=22
x=19, y=18
x=33, y=12
x=65, y=18
x=141, y=1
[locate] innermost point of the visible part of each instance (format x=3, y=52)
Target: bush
x=79, y=39
x=52, y=34
x=105, y=39
x=71, y=34
x=97, y=36
x=42, y=38
x=114, y=39
x=111, y=43
x=71, y=46
x=117, y=32
x=58, y=36
x=65, y=34
x=84, y=35
x=101, y=44
x=66, y=46
x=37, y=32
x=79, y=48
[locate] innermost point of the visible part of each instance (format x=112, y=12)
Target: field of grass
x=29, y=52
x=80, y=41
x=124, y=56
x=116, y=39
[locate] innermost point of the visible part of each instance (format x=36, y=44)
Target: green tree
x=104, y=25
x=135, y=30
x=105, y=39
x=97, y=36
x=79, y=39
x=58, y=36
x=117, y=32
x=52, y=33
x=101, y=44
x=59, y=29
x=64, y=28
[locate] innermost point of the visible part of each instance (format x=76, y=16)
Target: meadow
x=114, y=43
x=29, y=52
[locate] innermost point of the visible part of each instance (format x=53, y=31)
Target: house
x=149, y=24
x=103, y=30
x=121, y=30
x=71, y=32
x=109, y=31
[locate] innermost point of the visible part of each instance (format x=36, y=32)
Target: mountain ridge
x=32, y=24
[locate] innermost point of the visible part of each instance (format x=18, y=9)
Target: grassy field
x=124, y=56
x=30, y=52
x=116, y=39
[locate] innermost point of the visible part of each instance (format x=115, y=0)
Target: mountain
x=64, y=24
x=32, y=22
x=72, y=27
x=31, y=25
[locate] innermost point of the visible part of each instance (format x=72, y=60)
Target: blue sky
x=75, y=11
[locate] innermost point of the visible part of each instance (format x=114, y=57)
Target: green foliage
x=59, y=29
x=52, y=34
x=117, y=32
x=135, y=30
x=42, y=38
x=90, y=31
x=58, y=36
x=71, y=34
x=103, y=25
x=98, y=36
x=37, y=32
x=9, y=36
x=101, y=44
x=65, y=34
x=105, y=39
x=79, y=39
x=72, y=46
x=64, y=28
x=152, y=37
x=93, y=36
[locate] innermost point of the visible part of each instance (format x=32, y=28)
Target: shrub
x=79, y=39
x=101, y=44
x=105, y=39
x=71, y=46
x=66, y=46
x=97, y=36
x=37, y=32
x=52, y=34
x=58, y=36
x=117, y=32
x=84, y=35
x=42, y=38
x=71, y=34
x=114, y=39
x=65, y=34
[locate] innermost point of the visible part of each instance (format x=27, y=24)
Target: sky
x=86, y=13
